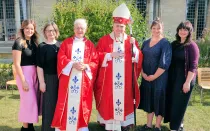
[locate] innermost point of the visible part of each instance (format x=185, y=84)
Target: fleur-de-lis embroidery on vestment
x=118, y=85
x=118, y=76
x=118, y=110
x=77, y=58
x=78, y=51
x=72, y=119
x=74, y=89
x=75, y=79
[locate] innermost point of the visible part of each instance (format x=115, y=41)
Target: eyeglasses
x=49, y=31
x=80, y=28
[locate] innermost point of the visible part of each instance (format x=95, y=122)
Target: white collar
x=112, y=36
x=78, y=39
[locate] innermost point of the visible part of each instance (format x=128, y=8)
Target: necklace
x=54, y=47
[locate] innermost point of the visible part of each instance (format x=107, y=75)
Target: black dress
x=153, y=93
x=47, y=60
x=176, y=99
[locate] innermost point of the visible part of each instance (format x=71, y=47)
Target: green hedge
x=5, y=74
x=99, y=16
x=204, y=60
x=204, y=46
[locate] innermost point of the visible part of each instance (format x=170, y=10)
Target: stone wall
x=172, y=13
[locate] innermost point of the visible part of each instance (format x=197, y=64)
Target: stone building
x=12, y=12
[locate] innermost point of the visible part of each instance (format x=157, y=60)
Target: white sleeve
x=136, y=52
x=67, y=69
x=106, y=58
x=88, y=72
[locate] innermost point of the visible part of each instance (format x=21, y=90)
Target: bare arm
x=42, y=84
x=144, y=75
x=16, y=55
x=158, y=73
x=186, y=86
x=190, y=76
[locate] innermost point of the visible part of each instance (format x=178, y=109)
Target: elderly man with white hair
x=77, y=66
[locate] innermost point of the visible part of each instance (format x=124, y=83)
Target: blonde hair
x=55, y=27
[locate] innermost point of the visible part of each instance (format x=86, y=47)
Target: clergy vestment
x=113, y=91
x=74, y=103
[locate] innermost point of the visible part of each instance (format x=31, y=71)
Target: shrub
x=204, y=60
x=204, y=46
x=5, y=74
x=99, y=16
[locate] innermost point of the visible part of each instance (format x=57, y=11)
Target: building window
x=8, y=23
x=10, y=20
x=1, y=21
x=191, y=11
x=197, y=13
x=202, y=14
x=23, y=10
x=156, y=9
x=142, y=6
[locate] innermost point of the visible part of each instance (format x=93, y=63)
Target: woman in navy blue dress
x=157, y=58
x=182, y=75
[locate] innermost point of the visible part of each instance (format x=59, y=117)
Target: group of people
x=69, y=73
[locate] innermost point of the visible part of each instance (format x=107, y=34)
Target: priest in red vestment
x=113, y=91
x=77, y=67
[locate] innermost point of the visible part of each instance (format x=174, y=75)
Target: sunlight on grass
x=197, y=117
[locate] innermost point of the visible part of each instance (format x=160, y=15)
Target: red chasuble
x=103, y=90
x=85, y=107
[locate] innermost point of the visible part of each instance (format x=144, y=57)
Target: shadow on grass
x=14, y=96
x=205, y=98
x=37, y=128
x=163, y=128
x=94, y=126
x=1, y=97
x=205, y=103
x=195, y=99
x=6, y=128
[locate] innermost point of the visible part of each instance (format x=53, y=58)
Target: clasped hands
x=186, y=86
x=148, y=77
x=121, y=54
x=80, y=66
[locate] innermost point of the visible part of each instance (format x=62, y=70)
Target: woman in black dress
x=182, y=75
x=47, y=73
x=157, y=58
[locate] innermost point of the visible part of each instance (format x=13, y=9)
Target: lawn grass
x=197, y=117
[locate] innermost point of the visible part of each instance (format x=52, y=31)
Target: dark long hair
x=34, y=37
x=188, y=26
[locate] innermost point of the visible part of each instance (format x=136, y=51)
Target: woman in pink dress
x=24, y=58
